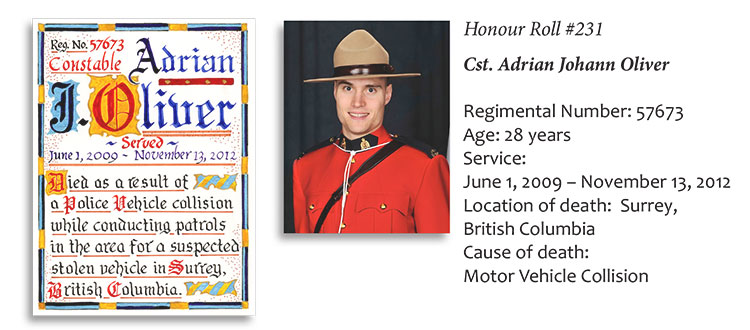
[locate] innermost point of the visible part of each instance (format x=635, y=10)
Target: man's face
x=360, y=105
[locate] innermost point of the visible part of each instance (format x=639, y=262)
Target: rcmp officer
x=366, y=180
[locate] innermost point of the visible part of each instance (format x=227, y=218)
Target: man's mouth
x=358, y=115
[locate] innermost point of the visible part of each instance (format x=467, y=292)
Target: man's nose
x=359, y=100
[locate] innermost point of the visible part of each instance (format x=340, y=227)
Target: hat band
x=365, y=69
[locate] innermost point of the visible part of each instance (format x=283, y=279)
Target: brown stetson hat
x=360, y=56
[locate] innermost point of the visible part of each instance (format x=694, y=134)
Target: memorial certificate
x=144, y=167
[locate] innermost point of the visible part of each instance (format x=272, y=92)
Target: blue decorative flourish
x=64, y=102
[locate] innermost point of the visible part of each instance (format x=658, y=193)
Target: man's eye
x=347, y=88
x=371, y=90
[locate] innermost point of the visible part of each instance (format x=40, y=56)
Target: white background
x=194, y=94
x=697, y=261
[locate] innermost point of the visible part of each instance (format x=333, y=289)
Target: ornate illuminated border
x=42, y=305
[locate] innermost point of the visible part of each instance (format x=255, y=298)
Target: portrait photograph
x=366, y=124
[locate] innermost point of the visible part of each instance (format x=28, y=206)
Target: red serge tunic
x=407, y=192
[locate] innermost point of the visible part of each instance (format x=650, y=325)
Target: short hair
x=387, y=81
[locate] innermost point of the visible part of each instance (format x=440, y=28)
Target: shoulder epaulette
x=416, y=144
x=317, y=146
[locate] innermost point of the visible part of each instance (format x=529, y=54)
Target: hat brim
x=364, y=76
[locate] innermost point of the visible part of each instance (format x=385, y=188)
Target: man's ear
x=388, y=93
x=334, y=88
